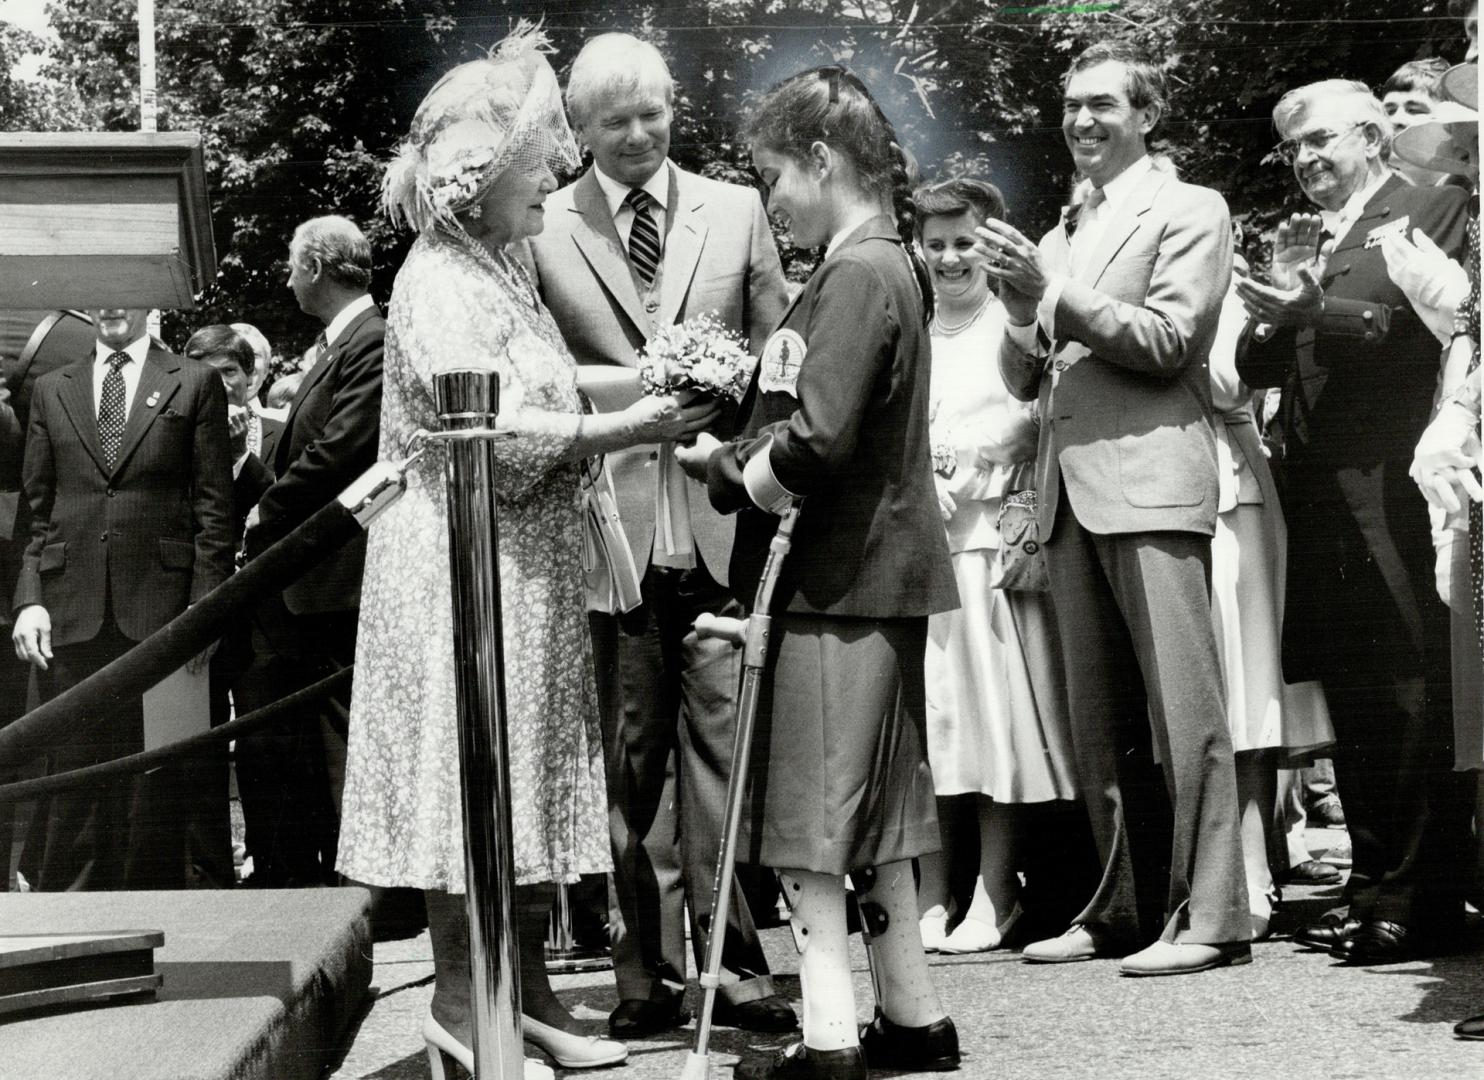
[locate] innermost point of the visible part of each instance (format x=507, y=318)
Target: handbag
x=608, y=570
x=1020, y=565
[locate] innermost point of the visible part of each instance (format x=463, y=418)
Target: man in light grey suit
x=1112, y=319
x=634, y=245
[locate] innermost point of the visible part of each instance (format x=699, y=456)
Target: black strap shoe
x=799, y=1062
x=933, y=1048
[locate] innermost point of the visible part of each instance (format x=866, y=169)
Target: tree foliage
x=299, y=101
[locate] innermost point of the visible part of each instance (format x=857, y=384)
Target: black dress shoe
x=1311, y=872
x=933, y=1048
x=1380, y=941
x=1332, y=928
x=637, y=1017
x=769, y=1013
x=1472, y=1028
x=799, y=1062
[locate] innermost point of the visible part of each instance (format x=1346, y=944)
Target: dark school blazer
x=841, y=394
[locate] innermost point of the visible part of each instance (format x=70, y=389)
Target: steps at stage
x=258, y=985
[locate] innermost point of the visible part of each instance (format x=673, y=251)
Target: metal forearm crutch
x=752, y=634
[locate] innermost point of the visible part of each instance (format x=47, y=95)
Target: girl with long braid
x=838, y=415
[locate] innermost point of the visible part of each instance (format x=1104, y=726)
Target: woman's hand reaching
x=669, y=419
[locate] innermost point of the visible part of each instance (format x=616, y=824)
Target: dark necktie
x=644, y=238
x=321, y=346
x=111, y=415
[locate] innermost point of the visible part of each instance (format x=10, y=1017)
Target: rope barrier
x=183, y=637
x=25, y=790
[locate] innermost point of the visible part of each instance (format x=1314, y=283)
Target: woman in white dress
x=1270, y=719
x=996, y=708
x=471, y=179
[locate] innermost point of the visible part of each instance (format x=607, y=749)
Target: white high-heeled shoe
x=573, y=1051
x=443, y=1048
x=971, y=935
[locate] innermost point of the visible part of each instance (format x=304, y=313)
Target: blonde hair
x=614, y=64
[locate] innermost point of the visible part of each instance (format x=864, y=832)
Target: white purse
x=608, y=568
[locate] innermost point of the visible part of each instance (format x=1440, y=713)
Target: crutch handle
x=721, y=626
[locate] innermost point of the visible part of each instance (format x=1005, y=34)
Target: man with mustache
x=1359, y=370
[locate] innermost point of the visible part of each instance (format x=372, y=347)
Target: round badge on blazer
x=778, y=369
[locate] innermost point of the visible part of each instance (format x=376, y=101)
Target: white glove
x=1443, y=463
x=1434, y=283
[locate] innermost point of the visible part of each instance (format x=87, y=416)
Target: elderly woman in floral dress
x=471, y=178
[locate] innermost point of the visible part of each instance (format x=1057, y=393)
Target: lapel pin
x=153, y=400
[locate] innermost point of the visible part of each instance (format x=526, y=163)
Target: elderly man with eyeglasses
x=1359, y=369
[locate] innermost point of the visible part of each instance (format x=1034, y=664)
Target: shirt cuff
x=1046, y=309
x=762, y=484
x=1024, y=336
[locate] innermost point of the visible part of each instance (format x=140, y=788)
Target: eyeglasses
x=1318, y=141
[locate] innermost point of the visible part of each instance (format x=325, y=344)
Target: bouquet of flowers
x=700, y=355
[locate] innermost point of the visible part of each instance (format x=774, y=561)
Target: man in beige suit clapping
x=636, y=244
x=1111, y=318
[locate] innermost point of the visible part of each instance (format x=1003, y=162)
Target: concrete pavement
x=1291, y=1014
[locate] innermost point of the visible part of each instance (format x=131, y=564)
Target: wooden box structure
x=42, y=970
x=103, y=219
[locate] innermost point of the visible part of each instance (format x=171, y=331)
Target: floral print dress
x=455, y=306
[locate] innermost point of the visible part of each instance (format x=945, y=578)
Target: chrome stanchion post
x=468, y=400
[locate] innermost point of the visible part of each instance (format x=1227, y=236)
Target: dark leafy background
x=300, y=101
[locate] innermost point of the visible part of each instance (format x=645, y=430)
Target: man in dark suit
x=128, y=476
x=636, y=244
x=1358, y=370
x=286, y=774
x=1112, y=324
x=31, y=344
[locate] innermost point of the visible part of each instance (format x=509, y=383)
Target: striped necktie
x=644, y=238
x=111, y=415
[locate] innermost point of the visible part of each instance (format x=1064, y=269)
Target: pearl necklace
x=945, y=330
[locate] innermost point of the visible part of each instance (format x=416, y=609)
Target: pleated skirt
x=839, y=777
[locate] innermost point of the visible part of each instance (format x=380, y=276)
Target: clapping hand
x=1014, y=262
x=1295, y=297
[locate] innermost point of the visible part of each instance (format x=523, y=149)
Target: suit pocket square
x=168, y=413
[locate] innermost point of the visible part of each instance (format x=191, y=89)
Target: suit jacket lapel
x=77, y=401
x=158, y=382
x=597, y=238
x=685, y=237
x=1118, y=230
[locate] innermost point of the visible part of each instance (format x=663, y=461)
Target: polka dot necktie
x=1467, y=321
x=111, y=414
x=644, y=238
